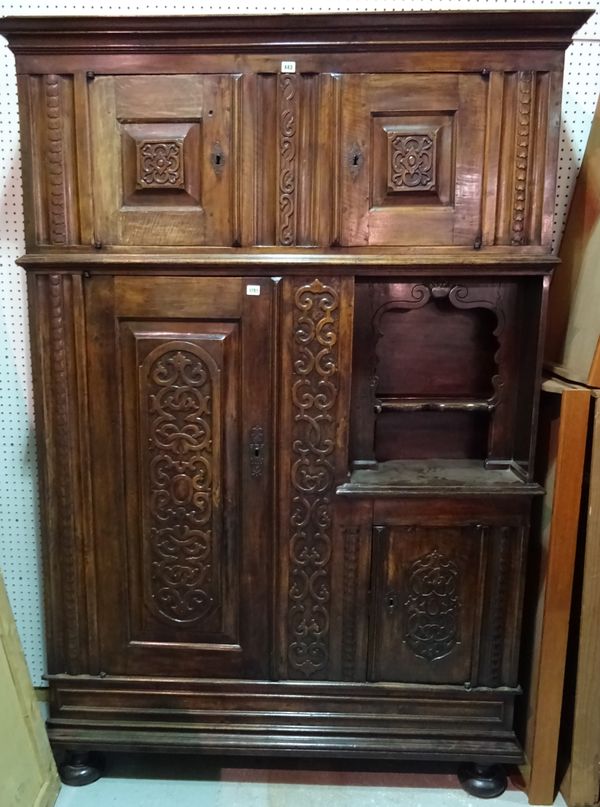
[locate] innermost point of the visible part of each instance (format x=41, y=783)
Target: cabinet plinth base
x=483, y=781
x=81, y=768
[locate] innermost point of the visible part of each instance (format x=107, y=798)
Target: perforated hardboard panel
x=19, y=518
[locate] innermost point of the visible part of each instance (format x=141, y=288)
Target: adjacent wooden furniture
x=560, y=461
x=573, y=338
x=580, y=731
x=28, y=774
x=288, y=279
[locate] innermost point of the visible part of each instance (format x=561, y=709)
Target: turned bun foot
x=80, y=768
x=483, y=781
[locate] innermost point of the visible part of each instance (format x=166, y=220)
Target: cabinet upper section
x=386, y=131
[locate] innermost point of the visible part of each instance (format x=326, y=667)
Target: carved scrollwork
x=432, y=607
x=179, y=396
x=288, y=126
x=315, y=389
x=160, y=164
x=412, y=162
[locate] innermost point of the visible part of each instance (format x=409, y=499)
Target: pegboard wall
x=19, y=522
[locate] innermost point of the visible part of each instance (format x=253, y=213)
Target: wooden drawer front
x=412, y=159
x=181, y=431
x=444, y=603
x=163, y=159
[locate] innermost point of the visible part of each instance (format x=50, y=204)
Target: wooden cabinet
x=288, y=280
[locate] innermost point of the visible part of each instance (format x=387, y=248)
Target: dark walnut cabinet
x=287, y=282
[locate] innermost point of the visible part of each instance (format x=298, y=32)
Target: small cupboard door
x=412, y=159
x=446, y=603
x=180, y=402
x=163, y=159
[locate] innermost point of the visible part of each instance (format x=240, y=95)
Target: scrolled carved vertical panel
x=288, y=164
x=314, y=393
x=179, y=387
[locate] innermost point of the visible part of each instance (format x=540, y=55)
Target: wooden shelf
x=438, y=477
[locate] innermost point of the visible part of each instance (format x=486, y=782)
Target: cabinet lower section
x=279, y=718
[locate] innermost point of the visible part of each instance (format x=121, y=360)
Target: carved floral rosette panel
x=179, y=383
x=432, y=606
x=314, y=392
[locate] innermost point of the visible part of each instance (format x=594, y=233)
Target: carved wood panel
x=160, y=164
x=181, y=413
x=314, y=433
x=174, y=408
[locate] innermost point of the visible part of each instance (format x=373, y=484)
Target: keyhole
x=217, y=159
x=257, y=452
x=355, y=159
x=391, y=602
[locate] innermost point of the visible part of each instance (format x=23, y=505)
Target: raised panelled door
x=412, y=159
x=181, y=439
x=427, y=603
x=164, y=159
x=446, y=600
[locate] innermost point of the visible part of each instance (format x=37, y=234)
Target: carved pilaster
x=522, y=149
x=315, y=386
x=49, y=160
x=288, y=168
x=55, y=168
x=499, y=604
x=349, y=637
x=62, y=470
